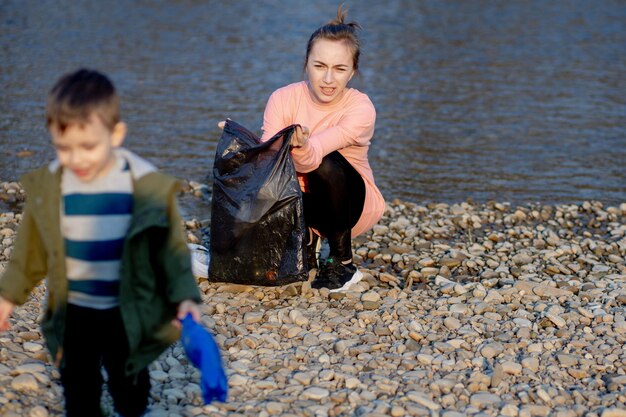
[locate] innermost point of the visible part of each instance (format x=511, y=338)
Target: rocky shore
x=465, y=309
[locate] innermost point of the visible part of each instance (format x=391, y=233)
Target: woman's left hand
x=300, y=136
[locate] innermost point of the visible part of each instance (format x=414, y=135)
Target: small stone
x=237, y=380
x=380, y=230
x=496, y=376
x=557, y=320
x=293, y=332
x=298, y=318
x=38, y=411
x=274, y=407
x=511, y=368
x=159, y=376
x=452, y=323
x=427, y=262
x=545, y=397
x=451, y=262
x=371, y=305
x=342, y=345
x=371, y=296
x=352, y=383
x=522, y=259
x=484, y=399
x=315, y=393
x=421, y=399
x=613, y=412
x=290, y=291
x=32, y=347
x=493, y=297
x=252, y=317
x=24, y=382
x=303, y=378
x=30, y=368
x=310, y=340
x=567, y=360
x=491, y=350
x=519, y=216
x=548, y=291
x=578, y=373
x=326, y=375
x=452, y=414
x=397, y=411
x=531, y=363
x=174, y=393
x=509, y=410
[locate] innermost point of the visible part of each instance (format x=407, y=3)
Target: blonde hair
x=338, y=30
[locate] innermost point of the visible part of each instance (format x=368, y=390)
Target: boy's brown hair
x=79, y=95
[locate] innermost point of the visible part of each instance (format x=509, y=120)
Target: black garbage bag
x=257, y=219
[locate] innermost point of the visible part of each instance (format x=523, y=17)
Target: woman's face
x=329, y=69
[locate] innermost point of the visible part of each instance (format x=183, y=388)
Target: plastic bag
x=199, y=260
x=203, y=353
x=257, y=217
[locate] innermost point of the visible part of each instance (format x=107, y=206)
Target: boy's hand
x=6, y=308
x=184, y=308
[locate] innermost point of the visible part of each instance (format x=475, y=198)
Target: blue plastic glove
x=204, y=354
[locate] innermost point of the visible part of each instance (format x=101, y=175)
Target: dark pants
x=94, y=338
x=334, y=202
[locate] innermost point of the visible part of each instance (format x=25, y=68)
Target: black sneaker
x=312, y=251
x=336, y=276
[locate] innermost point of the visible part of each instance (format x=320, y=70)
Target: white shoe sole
x=358, y=276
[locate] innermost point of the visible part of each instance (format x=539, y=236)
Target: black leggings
x=94, y=338
x=334, y=202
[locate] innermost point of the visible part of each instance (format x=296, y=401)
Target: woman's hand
x=300, y=136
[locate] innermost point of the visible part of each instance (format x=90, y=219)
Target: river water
x=520, y=101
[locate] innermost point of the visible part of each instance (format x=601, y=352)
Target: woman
x=329, y=150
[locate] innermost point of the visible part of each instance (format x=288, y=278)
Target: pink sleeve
x=273, y=120
x=355, y=128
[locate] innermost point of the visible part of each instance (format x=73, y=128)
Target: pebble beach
x=466, y=309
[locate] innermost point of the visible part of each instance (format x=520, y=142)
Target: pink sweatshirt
x=347, y=126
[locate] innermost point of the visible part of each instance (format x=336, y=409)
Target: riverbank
x=465, y=309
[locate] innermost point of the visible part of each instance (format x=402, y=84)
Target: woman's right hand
x=300, y=136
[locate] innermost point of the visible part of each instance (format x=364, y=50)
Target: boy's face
x=87, y=149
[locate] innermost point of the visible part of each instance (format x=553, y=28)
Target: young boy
x=103, y=226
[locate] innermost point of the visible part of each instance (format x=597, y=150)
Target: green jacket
x=155, y=274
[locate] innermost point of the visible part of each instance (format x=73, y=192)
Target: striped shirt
x=95, y=217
